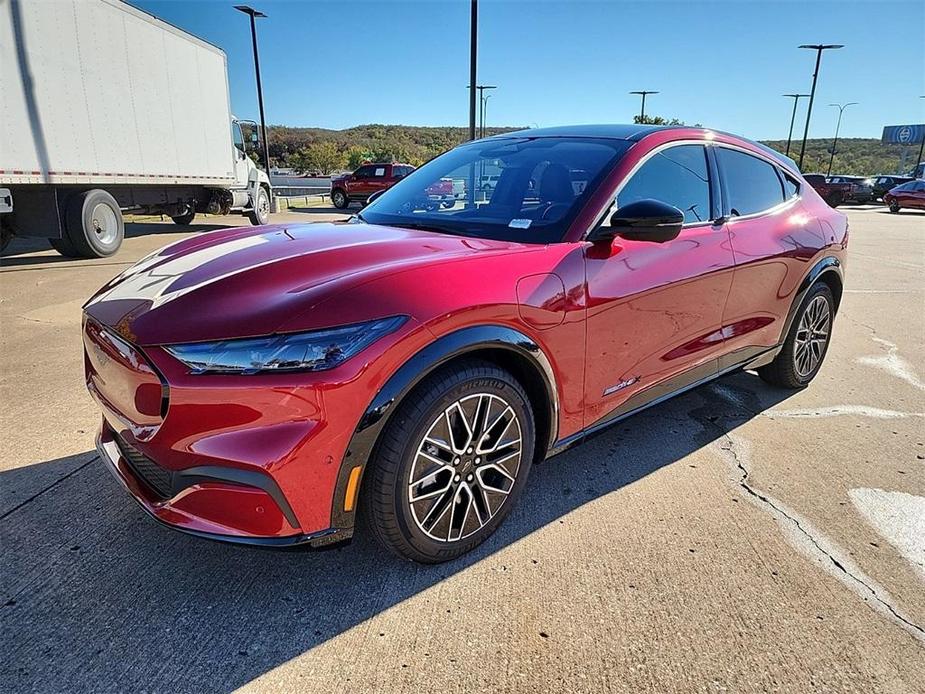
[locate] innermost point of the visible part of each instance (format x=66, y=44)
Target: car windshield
x=511, y=189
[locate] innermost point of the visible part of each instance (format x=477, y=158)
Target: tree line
x=325, y=151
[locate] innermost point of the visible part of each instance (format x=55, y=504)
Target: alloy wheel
x=465, y=467
x=812, y=336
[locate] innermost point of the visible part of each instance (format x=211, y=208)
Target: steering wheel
x=552, y=206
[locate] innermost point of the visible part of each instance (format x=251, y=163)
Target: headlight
x=311, y=351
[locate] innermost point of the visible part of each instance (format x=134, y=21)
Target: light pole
x=921, y=150
x=484, y=115
x=483, y=100
x=642, y=111
x=796, y=99
x=473, y=49
x=253, y=14
x=818, y=47
x=841, y=109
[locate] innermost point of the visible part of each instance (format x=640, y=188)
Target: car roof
x=611, y=131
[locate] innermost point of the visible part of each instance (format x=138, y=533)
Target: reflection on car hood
x=249, y=281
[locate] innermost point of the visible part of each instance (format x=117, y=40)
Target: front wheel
x=259, y=214
x=451, y=463
x=340, y=199
x=807, y=342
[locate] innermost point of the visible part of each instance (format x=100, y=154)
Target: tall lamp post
x=483, y=105
x=642, y=111
x=473, y=49
x=921, y=150
x=841, y=109
x=818, y=47
x=254, y=14
x=796, y=99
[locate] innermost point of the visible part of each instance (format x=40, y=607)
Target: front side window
x=752, y=185
x=363, y=172
x=513, y=189
x=677, y=176
x=237, y=136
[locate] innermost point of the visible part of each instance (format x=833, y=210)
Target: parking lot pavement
x=736, y=538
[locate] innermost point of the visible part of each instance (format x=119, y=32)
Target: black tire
x=789, y=369
x=387, y=487
x=894, y=207
x=259, y=214
x=187, y=217
x=94, y=224
x=834, y=200
x=340, y=199
x=64, y=247
x=6, y=235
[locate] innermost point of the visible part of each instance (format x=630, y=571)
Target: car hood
x=250, y=281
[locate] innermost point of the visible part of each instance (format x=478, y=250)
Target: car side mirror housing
x=644, y=220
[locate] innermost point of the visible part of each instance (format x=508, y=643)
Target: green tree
x=656, y=120
x=356, y=155
x=323, y=156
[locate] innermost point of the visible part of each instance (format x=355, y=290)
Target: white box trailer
x=104, y=109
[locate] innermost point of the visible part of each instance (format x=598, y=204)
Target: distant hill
x=323, y=149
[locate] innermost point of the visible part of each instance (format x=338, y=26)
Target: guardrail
x=297, y=191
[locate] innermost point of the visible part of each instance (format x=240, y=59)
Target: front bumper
x=197, y=500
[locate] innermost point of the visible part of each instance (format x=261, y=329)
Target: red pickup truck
x=368, y=179
x=833, y=193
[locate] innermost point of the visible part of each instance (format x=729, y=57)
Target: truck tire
x=260, y=213
x=340, y=199
x=64, y=247
x=6, y=235
x=94, y=224
x=187, y=217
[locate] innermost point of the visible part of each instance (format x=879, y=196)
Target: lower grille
x=156, y=478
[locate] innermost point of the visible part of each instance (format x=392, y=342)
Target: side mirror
x=643, y=220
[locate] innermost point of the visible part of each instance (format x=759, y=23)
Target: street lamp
x=796, y=98
x=484, y=115
x=818, y=47
x=254, y=14
x=841, y=109
x=483, y=105
x=473, y=49
x=642, y=112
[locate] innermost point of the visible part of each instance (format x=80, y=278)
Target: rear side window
x=791, y=187
x=752, y=185
x=677, y=176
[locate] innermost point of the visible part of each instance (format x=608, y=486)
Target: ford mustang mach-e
x=262, y=385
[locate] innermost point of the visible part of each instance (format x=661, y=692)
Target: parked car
x=365, y=181
x=833, y=193
x=441, y=192
x=861, y=191
x=489, y=182
x=881, y=185
x=259, y=386
x=910, y=195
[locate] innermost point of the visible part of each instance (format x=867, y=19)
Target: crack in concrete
x=48, y=488
x=840, y=564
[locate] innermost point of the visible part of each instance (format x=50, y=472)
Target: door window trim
x=774, y=209
x=714, y=185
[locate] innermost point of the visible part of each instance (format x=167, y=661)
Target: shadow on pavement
x=97, y=596
x=326, y=211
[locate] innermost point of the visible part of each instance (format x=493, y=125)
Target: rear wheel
x=894, y=207
x=340, y=199
x=807, y=342
x=451, y=463
x=94, y=225
x=834, y=199
x=6, y=235
x=187, y=217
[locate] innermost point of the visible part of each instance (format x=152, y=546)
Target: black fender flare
x=828, y=264
x=440, y=351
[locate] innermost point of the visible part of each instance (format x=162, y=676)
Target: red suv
x=365, y=181
x=259, y=385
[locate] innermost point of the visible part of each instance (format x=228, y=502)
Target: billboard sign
x=903, y=134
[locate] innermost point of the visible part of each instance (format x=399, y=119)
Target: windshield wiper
x=436, y=228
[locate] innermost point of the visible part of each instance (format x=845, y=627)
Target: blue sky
x=723, y=64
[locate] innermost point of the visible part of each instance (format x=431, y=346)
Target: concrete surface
x=738, y=538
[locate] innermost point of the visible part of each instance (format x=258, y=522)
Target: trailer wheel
x=260, y=213
x=187, y=217
x=94, y=224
